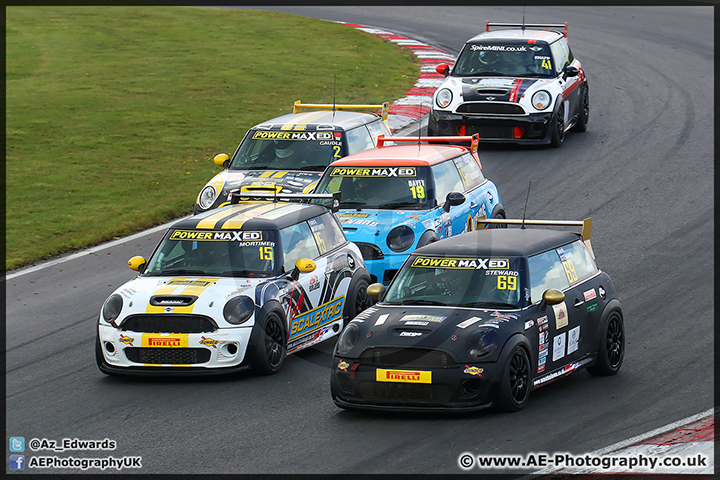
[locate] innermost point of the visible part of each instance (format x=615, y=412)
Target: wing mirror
x=453, y=199
x=376, y=291
x=222, y=160
x=304, y=265
x=137, y=263
x=551, y=297
x=571, y=71
x=443, y=69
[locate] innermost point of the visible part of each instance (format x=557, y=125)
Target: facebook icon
x=17, y=462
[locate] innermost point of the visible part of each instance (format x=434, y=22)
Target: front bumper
x=130, y=352
x=450, y=389
x=521, y=129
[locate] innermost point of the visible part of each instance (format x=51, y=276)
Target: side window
x=546, y=271
x=378, y=128
x=447, y=179
x=577, y=261
x=298, y=242
x=358, y=139
x=560, y=52
x=328, y=234
x=469, y=171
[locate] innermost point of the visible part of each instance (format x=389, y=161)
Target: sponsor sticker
x=209, y=342
x=590, y=294
x=270, y=135
x=473, y=370
x=126, y=340
x=373, y=172
x=410, y=334
x=529, y=324
x=316, y=318
x=343, y=365
x=423, y=318
x=561, y=315
x=468, y=322
x=403, y=376
x=460, y=263
x=381, y=319
x=414, y=322
x=558, y=347
x=164, y=340
x=573, y=340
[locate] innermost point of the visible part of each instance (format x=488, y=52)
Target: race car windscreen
x=461, y=282
x=222, y=253
x=378, y=187
x=512, y=60
x=285, y=150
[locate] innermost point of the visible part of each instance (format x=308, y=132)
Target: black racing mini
x=481, y=319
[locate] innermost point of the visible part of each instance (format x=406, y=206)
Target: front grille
x=168, y=323
x=491, y=108
x=369, y=251
x=405, y=391
x=410, y=357
x=176, y=356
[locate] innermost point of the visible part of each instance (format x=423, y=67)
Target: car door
x=546, y=272
x=582, y=298
x=447, y=179
x=476, y=194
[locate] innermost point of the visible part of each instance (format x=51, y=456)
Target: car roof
x=316, y=120
x=252, y=216
x=500, y=242
x=402, y=155
x=517, y=35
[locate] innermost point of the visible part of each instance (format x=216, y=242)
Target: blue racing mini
x=396, y=198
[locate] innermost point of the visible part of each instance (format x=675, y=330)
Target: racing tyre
x=584, y=113
x=515, y=383
x=558, y=128
x=498, y=212
x=611, y=349
x=271, y=348
x=357, y=297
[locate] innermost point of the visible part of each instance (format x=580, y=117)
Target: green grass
x=113, y=114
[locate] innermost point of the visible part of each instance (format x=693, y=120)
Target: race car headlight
x=112, y=307
x=400, y=238
x=541, y=100
x=482, y=342
x=207, y=197
x=348, y=339
x=443, y=98
x=239, y=309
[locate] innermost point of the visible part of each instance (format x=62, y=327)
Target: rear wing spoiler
x=559, y=27
x=334, y=198
x=584, y=232
x=473, y=139
x=298, y=106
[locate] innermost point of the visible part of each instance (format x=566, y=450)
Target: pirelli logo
x=403, y=376
x=158, y=340
x=460, y=263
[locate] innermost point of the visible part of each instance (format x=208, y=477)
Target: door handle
x=578, y=303
x=473, y=205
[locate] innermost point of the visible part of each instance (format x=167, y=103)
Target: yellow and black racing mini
x=288, y=154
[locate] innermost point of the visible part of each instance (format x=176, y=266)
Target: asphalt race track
x=643, y=171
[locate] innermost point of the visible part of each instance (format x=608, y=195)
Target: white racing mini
x=234, y=288
x=520, y=84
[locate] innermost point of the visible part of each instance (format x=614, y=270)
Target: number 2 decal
x=337, y=151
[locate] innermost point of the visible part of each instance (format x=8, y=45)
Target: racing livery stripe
x=302, y=120
x=514, y=97
x=537, y=37
x=210, y=221
x=273, y=173
x=238, y=220
x=181, y=285
x=283, y=210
